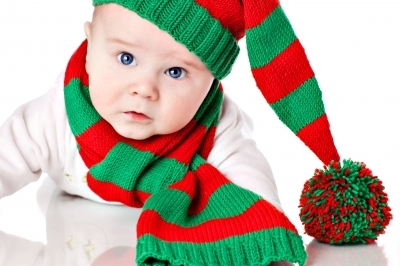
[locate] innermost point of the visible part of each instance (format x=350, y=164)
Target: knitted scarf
x=192, y=214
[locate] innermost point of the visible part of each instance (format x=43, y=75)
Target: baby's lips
x=137, y=115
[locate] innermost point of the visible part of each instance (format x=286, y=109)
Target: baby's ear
x=87, y=28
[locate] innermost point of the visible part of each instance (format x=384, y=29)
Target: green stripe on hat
x=79, y=101
x=267, y=40
x=300, y=107
x=193, y=26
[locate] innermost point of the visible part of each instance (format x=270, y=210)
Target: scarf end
x=256, y=248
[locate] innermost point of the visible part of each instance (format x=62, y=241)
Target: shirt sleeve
x=15, y=250
x=32, y=142
x=236, y=155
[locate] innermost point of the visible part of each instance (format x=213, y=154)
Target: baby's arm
x=236, y=155
x=31, y=142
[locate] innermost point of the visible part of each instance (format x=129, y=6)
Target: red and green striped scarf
x=192, y=214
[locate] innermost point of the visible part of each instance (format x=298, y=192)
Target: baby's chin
x=142, y=132
x=132, y=134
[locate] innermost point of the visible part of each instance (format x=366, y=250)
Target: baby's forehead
x=125, y=27
x=105, y=11
x=99, y=13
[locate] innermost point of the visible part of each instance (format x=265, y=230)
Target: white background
x=353, y=47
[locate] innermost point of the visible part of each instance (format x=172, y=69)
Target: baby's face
x=141, y=80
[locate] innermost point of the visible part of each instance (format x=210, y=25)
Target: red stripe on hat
x=255, y=219
x=228, y=13
x=285, y=73
x=317, y=136
x=255, y=11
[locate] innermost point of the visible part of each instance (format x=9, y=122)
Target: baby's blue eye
x=176, y=72
x=126, y=58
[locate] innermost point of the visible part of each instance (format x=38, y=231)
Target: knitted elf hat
x=342, y=203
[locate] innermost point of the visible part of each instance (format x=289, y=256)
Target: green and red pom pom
x=344, y=204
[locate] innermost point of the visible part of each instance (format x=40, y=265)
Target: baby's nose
x=145, y=87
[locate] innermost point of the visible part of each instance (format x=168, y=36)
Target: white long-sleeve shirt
x=37, y=139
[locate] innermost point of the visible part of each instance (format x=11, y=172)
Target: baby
x=139, y=117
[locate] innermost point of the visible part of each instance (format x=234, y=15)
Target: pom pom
x=344, y=204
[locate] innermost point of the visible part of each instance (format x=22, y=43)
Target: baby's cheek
x=99, y=101
x=175, y=118
x=101, y=95
x=188, y=111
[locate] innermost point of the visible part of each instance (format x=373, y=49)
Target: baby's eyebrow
x=120, y=41
x=185, y=61
x=192, y=64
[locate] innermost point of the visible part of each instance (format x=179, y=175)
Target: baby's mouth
x=137, y=116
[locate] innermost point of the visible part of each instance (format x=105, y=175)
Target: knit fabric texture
x=282, y=72
x=192, y=214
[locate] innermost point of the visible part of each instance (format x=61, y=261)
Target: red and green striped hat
x=211, y=30
x=343, y=203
